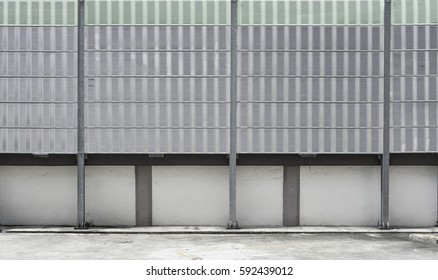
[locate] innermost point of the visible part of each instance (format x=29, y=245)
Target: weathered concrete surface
x=214, y=246
x=217, y=230
x=425, y=238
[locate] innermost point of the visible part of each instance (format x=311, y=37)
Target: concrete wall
x=47, y=195
x=341, y=195
x=413, y=196
x=198, y=195
x=260, y=195
x=37, y=196
x=110, y=195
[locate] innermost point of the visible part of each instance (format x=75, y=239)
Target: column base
x=233, y=225
x=82, y=226
x=383, y=225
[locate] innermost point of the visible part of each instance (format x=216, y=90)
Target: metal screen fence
x=310, y=76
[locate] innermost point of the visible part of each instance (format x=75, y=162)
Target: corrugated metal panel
x=157, y=76
x=158, y=12
x=38, y=12
x=336, y=12
x=311, y=12
x=157, y=38
x=32, y=39
x=158, y=89
x=38, y=89
x=38, y=141
x=414, y=12
x=310, y=140
x=414, y=89
x=310, y=89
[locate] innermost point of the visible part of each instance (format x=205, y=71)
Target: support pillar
x=384, y=219
x=143, y=195
x=232, y=222
x=81, y=224
x=291, y=196
x=436, y=224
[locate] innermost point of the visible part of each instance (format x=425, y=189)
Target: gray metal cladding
x=38, y=89
x=414, y=97
x=157, y=89
x=157, y=76
x=310, y=89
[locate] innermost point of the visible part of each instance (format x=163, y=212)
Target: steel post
x=232, y=223
x=80, y=129
x=384, y=218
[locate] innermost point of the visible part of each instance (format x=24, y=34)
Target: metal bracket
x=237, y=156
x=85, y=156
x=156, y=155
x=42, y=155
x=233, y=225
x=83, y=226
x=308, y=155
x=383, y=225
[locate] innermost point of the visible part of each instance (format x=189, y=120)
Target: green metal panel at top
x=336, y=12
x=251, y=12
x=311, y=12
x=158, y=12
x=259, y=12
x=216, y=12
x=414, y=12
x=38, y=12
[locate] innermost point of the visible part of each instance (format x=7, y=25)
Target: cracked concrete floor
x=339, y=246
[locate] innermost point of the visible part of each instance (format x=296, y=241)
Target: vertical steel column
x=232, y=223
x=80, y=130
x=384, y=218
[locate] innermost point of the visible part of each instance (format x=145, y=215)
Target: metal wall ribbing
x=414, y=96
x=311, y=77
x=153, y=87
x=38, y=77
x=157, y=76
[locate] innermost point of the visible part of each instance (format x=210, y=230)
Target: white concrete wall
x=47, y=195
x=110, y=195
x=37, y=195
x=260, y=195
x=341, y=195
x=189, y=195
x=194, y=195
x=198, y=195
x=413, y=196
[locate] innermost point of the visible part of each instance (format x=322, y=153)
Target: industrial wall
x=47, y=195
x=351, y=195
x=157, y=83
x=310, y=76
x=198, y=195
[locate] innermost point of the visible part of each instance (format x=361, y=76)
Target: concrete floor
x=300, y=246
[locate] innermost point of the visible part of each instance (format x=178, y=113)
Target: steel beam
x=80, y=129
x=232, y=222
x=384, y=203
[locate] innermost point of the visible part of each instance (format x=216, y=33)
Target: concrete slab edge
x=196, y=230
x=424, y=238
